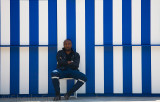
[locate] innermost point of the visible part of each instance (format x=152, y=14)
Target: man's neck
x=68, y=51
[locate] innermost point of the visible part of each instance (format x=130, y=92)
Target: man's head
x=67, y=44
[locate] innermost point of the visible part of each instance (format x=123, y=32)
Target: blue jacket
x=62, y=60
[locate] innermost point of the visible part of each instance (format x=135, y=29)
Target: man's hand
x=70, y=62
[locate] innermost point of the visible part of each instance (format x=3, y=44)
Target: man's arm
x=76, y=61
x=60, y=61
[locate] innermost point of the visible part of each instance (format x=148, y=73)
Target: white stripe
x=61, y=33
x=136, y=70
x=5, y=70
x=43, y=22
x=43, y=51
x=43, y=70
x=98, y=21
x=80, y=38
x=24, y=70
x=99, y=69
x=155, y=21
x=155, y=69
x=136, y=21
x=117, y=69
x=117, y=22
x=5, y=22
x=24, y=22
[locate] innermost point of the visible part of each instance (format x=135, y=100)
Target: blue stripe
x=71, y=30
x=34, y=22
x=89, y=46
x=145, y=21
x=14, y=22
x=33, y=51
x=107, y=21
x=146, y=70
x=127, y=69
x=14, y=70
x=108, y=51
x=52, y=22
x=14, y=52
x=33, y=70
x=108, y=69
x=126, y=22
x=127, y=50
x=146, y=51
x=52, y=51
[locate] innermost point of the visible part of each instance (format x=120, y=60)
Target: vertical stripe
x=146, y=69
x=99, y=51
x=90, y=51
x=52, y=37
x=117, y=51
x=43, y=51
x=5, y=52
x=155, y=22
x=155, y=55
x=43, y=22
x=5, y=71
x=155, y=79
x=24, y=52
x=14, y=51
x=136, y=51
x=98, y=21
x=71, y=30
x=127, y=50
x=14, y=24
x=33, y=51
x=108, y=51
x=145, y=21
x=5, y=22
x=43, y=70
x=146, y=50
x=108, y=69
x=126, y=21
x=117, y=22
x=99, y=69
x=33, y=22
x=80, y=38
x=117, y=69
x=33, y=70
x=24, y=70
x=136, y=70
x=136, y=21
x=24, y=22
x=14, y=70
x=61, y=33
x=127, y=69
x=107, y=22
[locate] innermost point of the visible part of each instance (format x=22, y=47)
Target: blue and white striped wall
x=110, y=69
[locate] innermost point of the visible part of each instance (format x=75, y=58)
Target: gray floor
x=86, y=99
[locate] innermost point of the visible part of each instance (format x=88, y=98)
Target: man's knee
x=55, y=74
x=83, y=78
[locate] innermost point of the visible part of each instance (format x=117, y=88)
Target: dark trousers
x=68, y=73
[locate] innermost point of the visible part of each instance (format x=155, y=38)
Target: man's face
x=67, y=45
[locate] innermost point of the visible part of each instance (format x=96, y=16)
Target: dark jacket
x=62, y=60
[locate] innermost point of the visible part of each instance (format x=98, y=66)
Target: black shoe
x=66, y=96
x=58, y=97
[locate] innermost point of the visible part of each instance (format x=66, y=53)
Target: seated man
x=67, y=67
